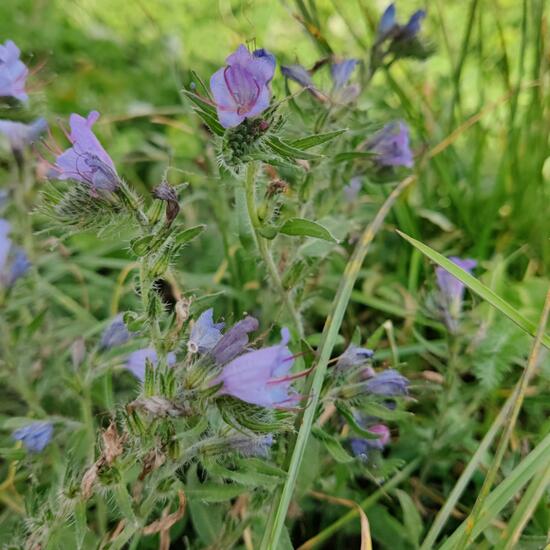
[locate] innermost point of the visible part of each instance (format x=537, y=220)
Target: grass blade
x=475, y=285
x=505, y=492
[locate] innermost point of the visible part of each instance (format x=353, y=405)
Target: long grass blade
x=475, y=285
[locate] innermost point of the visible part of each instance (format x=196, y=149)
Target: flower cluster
x=260, y=377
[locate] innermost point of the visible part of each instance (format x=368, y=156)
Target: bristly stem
x=330, y=333
x=263, y=248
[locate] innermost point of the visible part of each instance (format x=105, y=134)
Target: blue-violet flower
x=13, y=72
x=241, y=89
x=34, y=436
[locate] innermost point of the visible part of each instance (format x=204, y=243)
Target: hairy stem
x=263, y=248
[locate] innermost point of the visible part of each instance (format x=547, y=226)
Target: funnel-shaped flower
x=234, y=341
x=115, y=334
x=86, y=161
x=13, y=72
x=241, y=89
x=388, y=383
x=205, y=334
x=34, y=436
x=452, y=290
x=261, y=377
x=391, y=146
x=341, y=72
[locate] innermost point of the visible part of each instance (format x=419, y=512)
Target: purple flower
x=14, y=262
x=361, y=447
x=341, y=72
x=262, y=53
x=452, y=290
x=205, y=334
x=351, y=190
x=261, y=377
x=387, y=22
x=115, y=334
x=19, y=135
x=234, y=341
x=137, y=361
x=354, y=356
x=13, y=72
x=299, y=74
x=241, y=89
x=388, y=383
x=412, y=28
x=86, y=161
x=34, y=436
x=391, y=146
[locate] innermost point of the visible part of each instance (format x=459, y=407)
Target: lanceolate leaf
x=333, y=446
x=300, y=227
x=277, y=145
x=475, y=285
x=315, y=139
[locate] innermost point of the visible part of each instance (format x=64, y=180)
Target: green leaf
x=315, y=139
x=475, y=285
x=348, y=415
x=280, y=147
x=333, y=446
x=189, y=234
x=212, y=122
x=411, y=517
x=300, y=227
x=376, y=409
